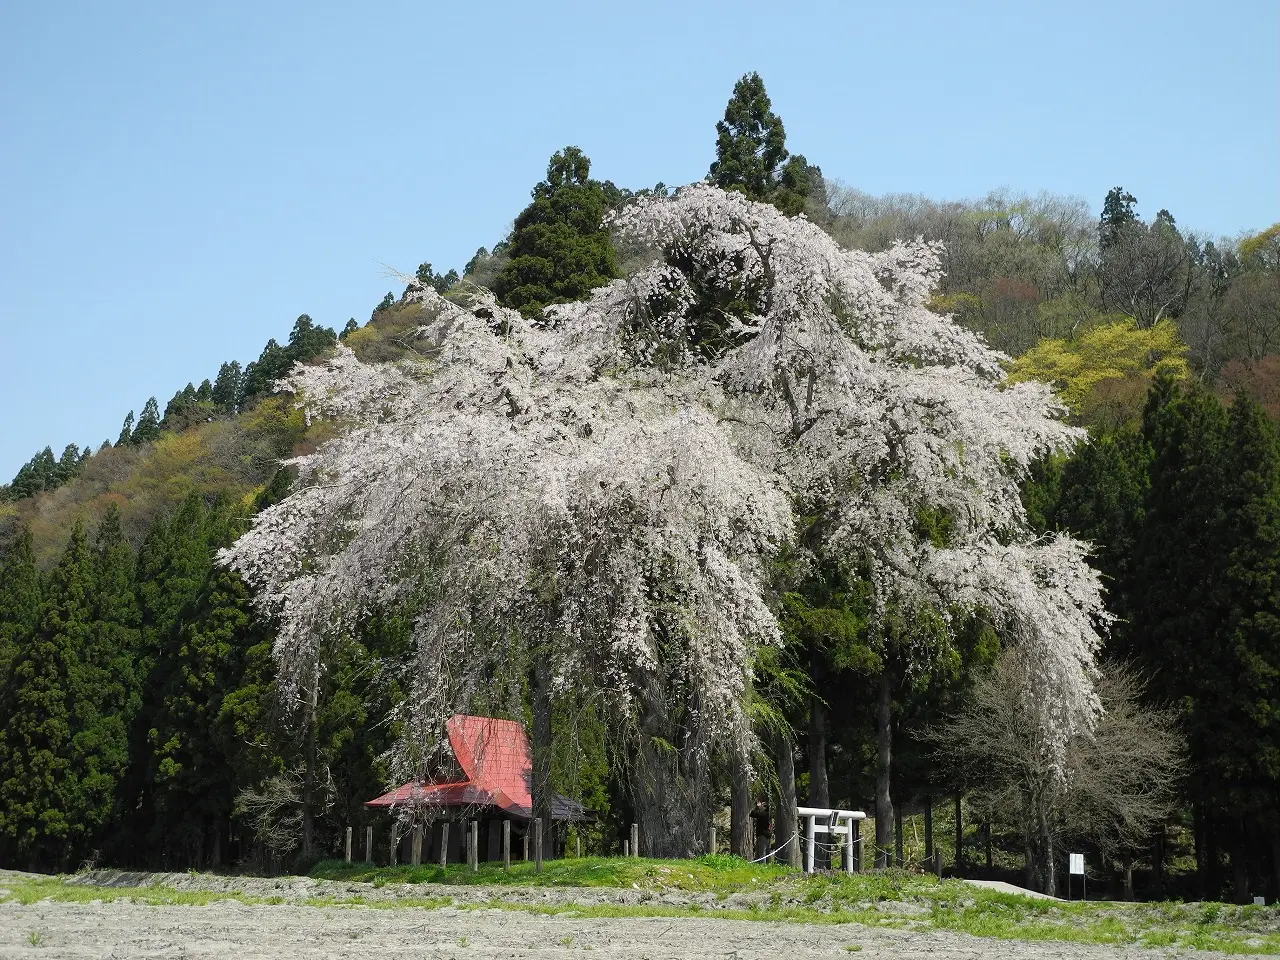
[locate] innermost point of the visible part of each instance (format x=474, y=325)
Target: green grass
x=892, y=898
x=718, y=874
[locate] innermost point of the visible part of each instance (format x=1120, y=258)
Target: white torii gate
x=833, y=823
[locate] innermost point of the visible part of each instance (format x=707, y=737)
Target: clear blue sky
x=182, y=180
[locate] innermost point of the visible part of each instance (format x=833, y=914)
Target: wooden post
x=537, y=843
x=577, y=844
x=348, y=844
x=475, y=845
x=444, y=844
x=395, y=842
x=711, y=841
x=506, y=844
x=368, y=844
x=626, y=848
x=417, y=844
x=635, y=839
x=526, y=843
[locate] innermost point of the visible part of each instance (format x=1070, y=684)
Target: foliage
x=751, y=152
x=559, y=249
x=626, y=474
x=1104, y=364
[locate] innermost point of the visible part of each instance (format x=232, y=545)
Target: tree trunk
x=309, y=774
x=819, y=789
x=884, y=760
x=986, y=842
x=898, y=859
x=1126, y=867
x=1157, y=864
x=788, y=824
x=541, y=739
x=959, y=835
x=740, y=806
x=928, y=835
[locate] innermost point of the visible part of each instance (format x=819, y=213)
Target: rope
x=785, y=844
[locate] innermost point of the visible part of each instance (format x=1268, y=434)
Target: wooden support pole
x=475, y=845
x=577, y=844
x=395, y=843
x=506, y=844
x=417, y=845
x=444, y=844
x=537, y=843
x=626, y=848
x=348, y=844
x=711, y=841
x=368, y=844
x=635, y=839
x=526, y=843
x=855, y=841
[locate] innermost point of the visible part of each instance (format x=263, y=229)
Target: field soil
x=290, y=930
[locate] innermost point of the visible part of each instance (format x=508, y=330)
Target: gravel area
x=291, y=925
x=227, y=929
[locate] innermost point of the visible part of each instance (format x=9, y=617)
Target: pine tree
x=751, y=152
x=40, y=804
x=559, y=249
x=126, y=431
x=273, y=363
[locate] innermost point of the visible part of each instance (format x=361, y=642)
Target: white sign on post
x=1076, y=864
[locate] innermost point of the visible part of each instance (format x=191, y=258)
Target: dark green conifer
x=559, y=249
x=19, y=599
x=41, y=815
x=148, y=428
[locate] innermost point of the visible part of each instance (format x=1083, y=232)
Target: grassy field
x=714, y=886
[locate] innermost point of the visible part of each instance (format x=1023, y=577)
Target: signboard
x=1076, y=864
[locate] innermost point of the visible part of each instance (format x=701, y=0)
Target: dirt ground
x=227, y=929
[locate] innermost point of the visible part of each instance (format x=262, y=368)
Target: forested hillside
x=177, y=689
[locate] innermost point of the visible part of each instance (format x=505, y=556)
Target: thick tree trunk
x=1126, y=867
x=739, y=806
x=884, y=761
x=309, y=774
x=819, y=788
x=788, y=825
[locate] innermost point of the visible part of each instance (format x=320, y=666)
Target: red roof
x=497, y=768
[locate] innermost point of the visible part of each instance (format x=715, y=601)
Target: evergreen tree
x=559, y=249
x=126, y=431
x=148, y=428
x=204, y=392
x=105, y=688
x=272, y=364
x=1117, y=213
x=19, y=599
x=751, y=152
x=41, y=816
x=386, y=303
x=193, y=744
x=349, y=329
x=1234, y=726
x=228, y=385
x=307, y=341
